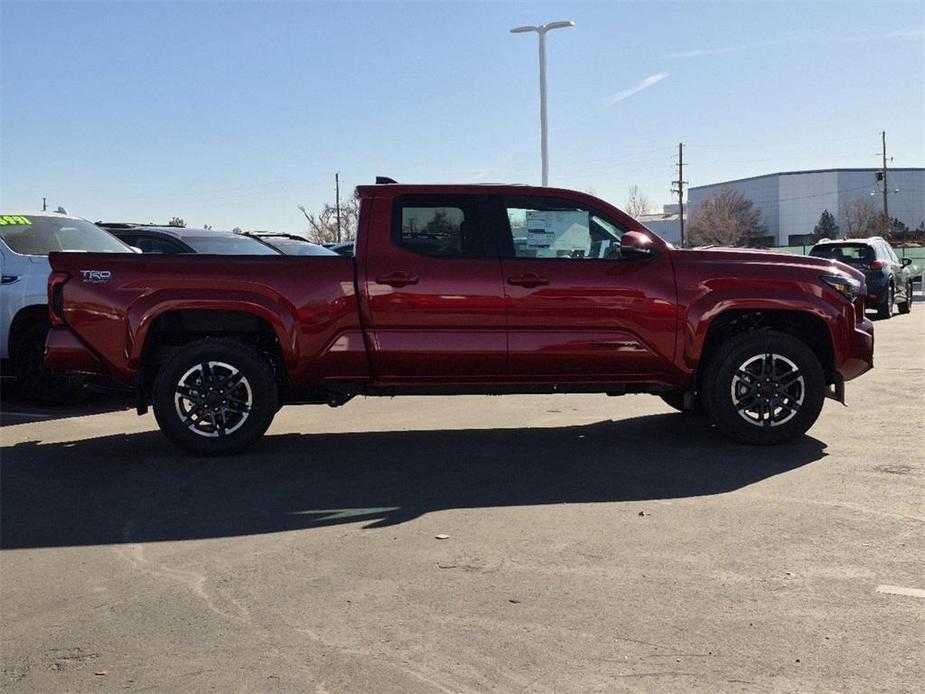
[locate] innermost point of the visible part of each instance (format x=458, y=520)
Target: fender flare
x=143, y=313
x=702, y=313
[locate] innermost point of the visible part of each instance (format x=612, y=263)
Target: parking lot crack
x=136, y=557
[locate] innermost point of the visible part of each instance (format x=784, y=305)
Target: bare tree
x=862, y=218
x=322, y=227
x=176, y=222
x=637, y=203
x=726, y=218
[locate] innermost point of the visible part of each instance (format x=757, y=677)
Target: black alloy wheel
x=215, y=396
x=764, y=387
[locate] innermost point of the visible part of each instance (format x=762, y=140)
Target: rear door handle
x=528, y=280
x=397, y=279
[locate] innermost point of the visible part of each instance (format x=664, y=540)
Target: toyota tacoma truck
x=462, y=289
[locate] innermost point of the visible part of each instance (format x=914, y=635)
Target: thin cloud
x=904, y=34
x=700, y=52
x=645, y=84
x=910, y=33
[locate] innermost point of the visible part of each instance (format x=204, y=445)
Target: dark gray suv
x=889, y=280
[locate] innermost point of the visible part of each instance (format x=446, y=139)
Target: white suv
x=26, y=239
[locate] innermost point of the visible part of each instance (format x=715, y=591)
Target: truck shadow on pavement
x=136, y=488
x=15, y=409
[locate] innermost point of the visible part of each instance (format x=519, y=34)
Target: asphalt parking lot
x=593, y=544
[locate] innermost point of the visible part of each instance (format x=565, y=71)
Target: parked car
x=444, y=299
x=26, y=238
x=289, y=244
x=347, y=248
x=889, y=279
x=167, y=240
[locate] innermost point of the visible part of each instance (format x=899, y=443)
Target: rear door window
x=441, y=226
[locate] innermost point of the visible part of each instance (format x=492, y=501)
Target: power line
x=854, y=138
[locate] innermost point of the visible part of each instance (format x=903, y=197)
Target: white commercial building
x=792, y=202
x=667, y=223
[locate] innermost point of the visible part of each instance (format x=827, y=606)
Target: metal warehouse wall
x=792, y=202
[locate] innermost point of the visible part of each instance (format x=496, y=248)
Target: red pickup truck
x=465, y=289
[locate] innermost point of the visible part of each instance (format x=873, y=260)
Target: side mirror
x=636, y=246
x=907, y=262
x=136, y=249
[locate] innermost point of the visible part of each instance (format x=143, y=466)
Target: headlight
x=847, y=287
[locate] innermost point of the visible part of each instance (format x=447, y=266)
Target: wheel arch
x=808, y=327
x=170, y=330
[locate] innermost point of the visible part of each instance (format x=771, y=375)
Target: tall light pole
x=541, y=31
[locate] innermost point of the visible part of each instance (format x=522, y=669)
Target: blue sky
x=232, y=114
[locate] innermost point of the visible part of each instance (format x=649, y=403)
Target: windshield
x=38, y=235
x=228, y=245
x=854, y=254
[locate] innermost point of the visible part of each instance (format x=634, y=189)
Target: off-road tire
x=906, y=306
x=215, y=356
x=885, y=307
x=721, y=379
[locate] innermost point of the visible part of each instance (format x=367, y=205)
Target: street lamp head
x=558, y=25
x=523, y=30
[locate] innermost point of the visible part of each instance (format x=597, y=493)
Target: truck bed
x=113, y=301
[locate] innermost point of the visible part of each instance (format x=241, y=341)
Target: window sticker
x=539, y=238
x=556, y=234
x=14, y=219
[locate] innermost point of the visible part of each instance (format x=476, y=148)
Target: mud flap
x=141, y=396
x=836, y=389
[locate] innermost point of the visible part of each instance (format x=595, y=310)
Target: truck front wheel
x=764, y=387
x=215, y=396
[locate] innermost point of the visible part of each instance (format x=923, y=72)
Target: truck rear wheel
x=885, y=307
x=906, y=306
x=215, y=396
x=764, y=387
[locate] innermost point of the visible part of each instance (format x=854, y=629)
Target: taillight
x=877, y=264
x=56, y=296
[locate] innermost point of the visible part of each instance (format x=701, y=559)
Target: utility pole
x=680, y=183
x=44, y=204
x=337, y=200
x=886, y=209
